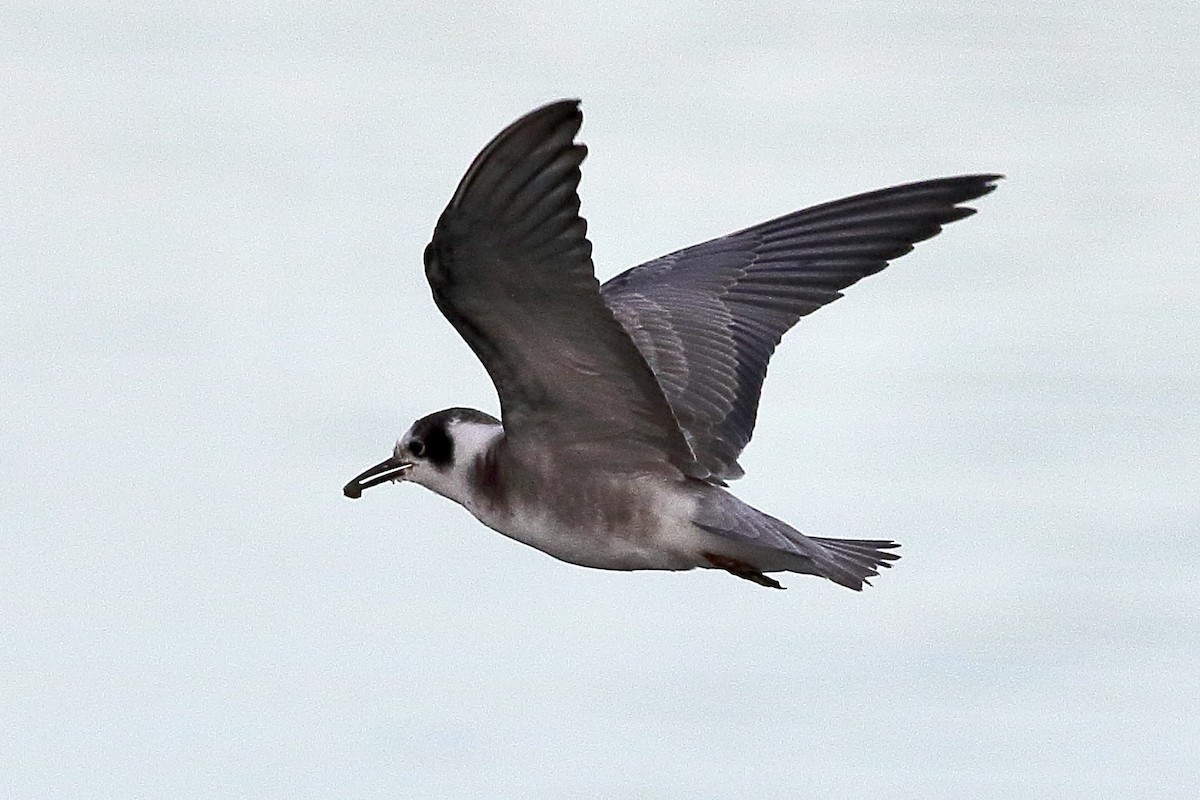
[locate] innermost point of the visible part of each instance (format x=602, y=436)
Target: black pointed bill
x=389, y=470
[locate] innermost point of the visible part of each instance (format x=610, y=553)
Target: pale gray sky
x=213, y=314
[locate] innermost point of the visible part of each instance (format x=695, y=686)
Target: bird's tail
x=851, y=562
x=848, y=562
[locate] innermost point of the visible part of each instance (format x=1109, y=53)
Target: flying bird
x=624, y=406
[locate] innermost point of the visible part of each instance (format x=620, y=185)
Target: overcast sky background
x=213, y=315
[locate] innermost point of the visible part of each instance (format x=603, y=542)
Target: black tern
x=624, y=407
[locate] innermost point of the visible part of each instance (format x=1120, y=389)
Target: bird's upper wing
x=510, y=267
x=708, y=318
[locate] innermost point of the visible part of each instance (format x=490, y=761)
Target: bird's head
x=435, y=452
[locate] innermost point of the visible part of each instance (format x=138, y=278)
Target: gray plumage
x=624, y=408
x=510, y=267
x=707, y=318
x=849, y=562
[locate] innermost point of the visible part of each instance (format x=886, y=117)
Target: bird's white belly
x=651, y=529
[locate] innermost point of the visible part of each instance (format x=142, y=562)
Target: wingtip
x=991, y=181
x=982, y=184
x=567, y=106
x=558, y=118
x=960, y=189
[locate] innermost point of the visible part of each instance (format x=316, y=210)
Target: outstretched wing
x=510, y=267
x=708, y=318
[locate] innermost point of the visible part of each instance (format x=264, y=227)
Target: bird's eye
x=416, y=447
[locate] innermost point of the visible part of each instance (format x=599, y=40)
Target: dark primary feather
x=708, y=318
x=510, y=267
